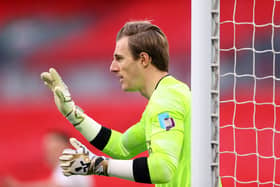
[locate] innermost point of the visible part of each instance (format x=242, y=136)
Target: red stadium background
x=26, y=116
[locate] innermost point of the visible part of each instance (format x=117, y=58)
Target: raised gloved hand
x=62, y=97
x=81, y=161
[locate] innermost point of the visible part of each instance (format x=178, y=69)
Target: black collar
x=161, y=79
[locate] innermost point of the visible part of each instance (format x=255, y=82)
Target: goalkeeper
x=141, y=59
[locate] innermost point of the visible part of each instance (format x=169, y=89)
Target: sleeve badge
x=165, y=121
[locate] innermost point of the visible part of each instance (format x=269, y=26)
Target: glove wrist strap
x=75, y=116
x=100, y=166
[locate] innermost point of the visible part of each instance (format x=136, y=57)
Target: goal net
x=249, y=93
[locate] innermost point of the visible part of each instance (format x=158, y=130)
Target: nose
x=114, y=67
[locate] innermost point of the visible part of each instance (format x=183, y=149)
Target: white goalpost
x=205, y=92
x=235, y=82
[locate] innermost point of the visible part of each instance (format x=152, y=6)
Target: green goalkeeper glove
x=62, y=97
x=81, y=161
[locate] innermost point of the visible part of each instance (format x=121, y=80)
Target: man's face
x=125, y=67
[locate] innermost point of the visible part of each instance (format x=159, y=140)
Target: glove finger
x=81, y=148
x=65, y=164
x=56, y=77
x=66, y=173
x=66, y=157
x=69, y=151
x=46, y=77
x=59, y=93
x=48, y=85
x=75, y=143
x=63, y=94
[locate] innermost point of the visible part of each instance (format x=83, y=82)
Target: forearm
x=82, y=162
x=88, y=127
x=139, y=170
x=133, y=170
x=113, y=143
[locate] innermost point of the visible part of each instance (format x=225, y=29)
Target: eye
x=118, y=57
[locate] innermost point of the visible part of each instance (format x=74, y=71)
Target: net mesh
x=250, y=93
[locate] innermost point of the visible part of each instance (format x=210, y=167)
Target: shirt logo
x=165, y=121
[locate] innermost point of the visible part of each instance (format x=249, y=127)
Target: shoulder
x=170, y=95
x=170, y=87
x=171, y=90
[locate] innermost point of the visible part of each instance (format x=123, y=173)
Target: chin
x=124, y=88
x=127, y=89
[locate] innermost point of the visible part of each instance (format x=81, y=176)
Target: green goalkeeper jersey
x=165, y=131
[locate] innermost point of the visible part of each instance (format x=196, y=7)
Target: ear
x=145, y=59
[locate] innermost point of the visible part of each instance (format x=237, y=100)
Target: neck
x=151, y=81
